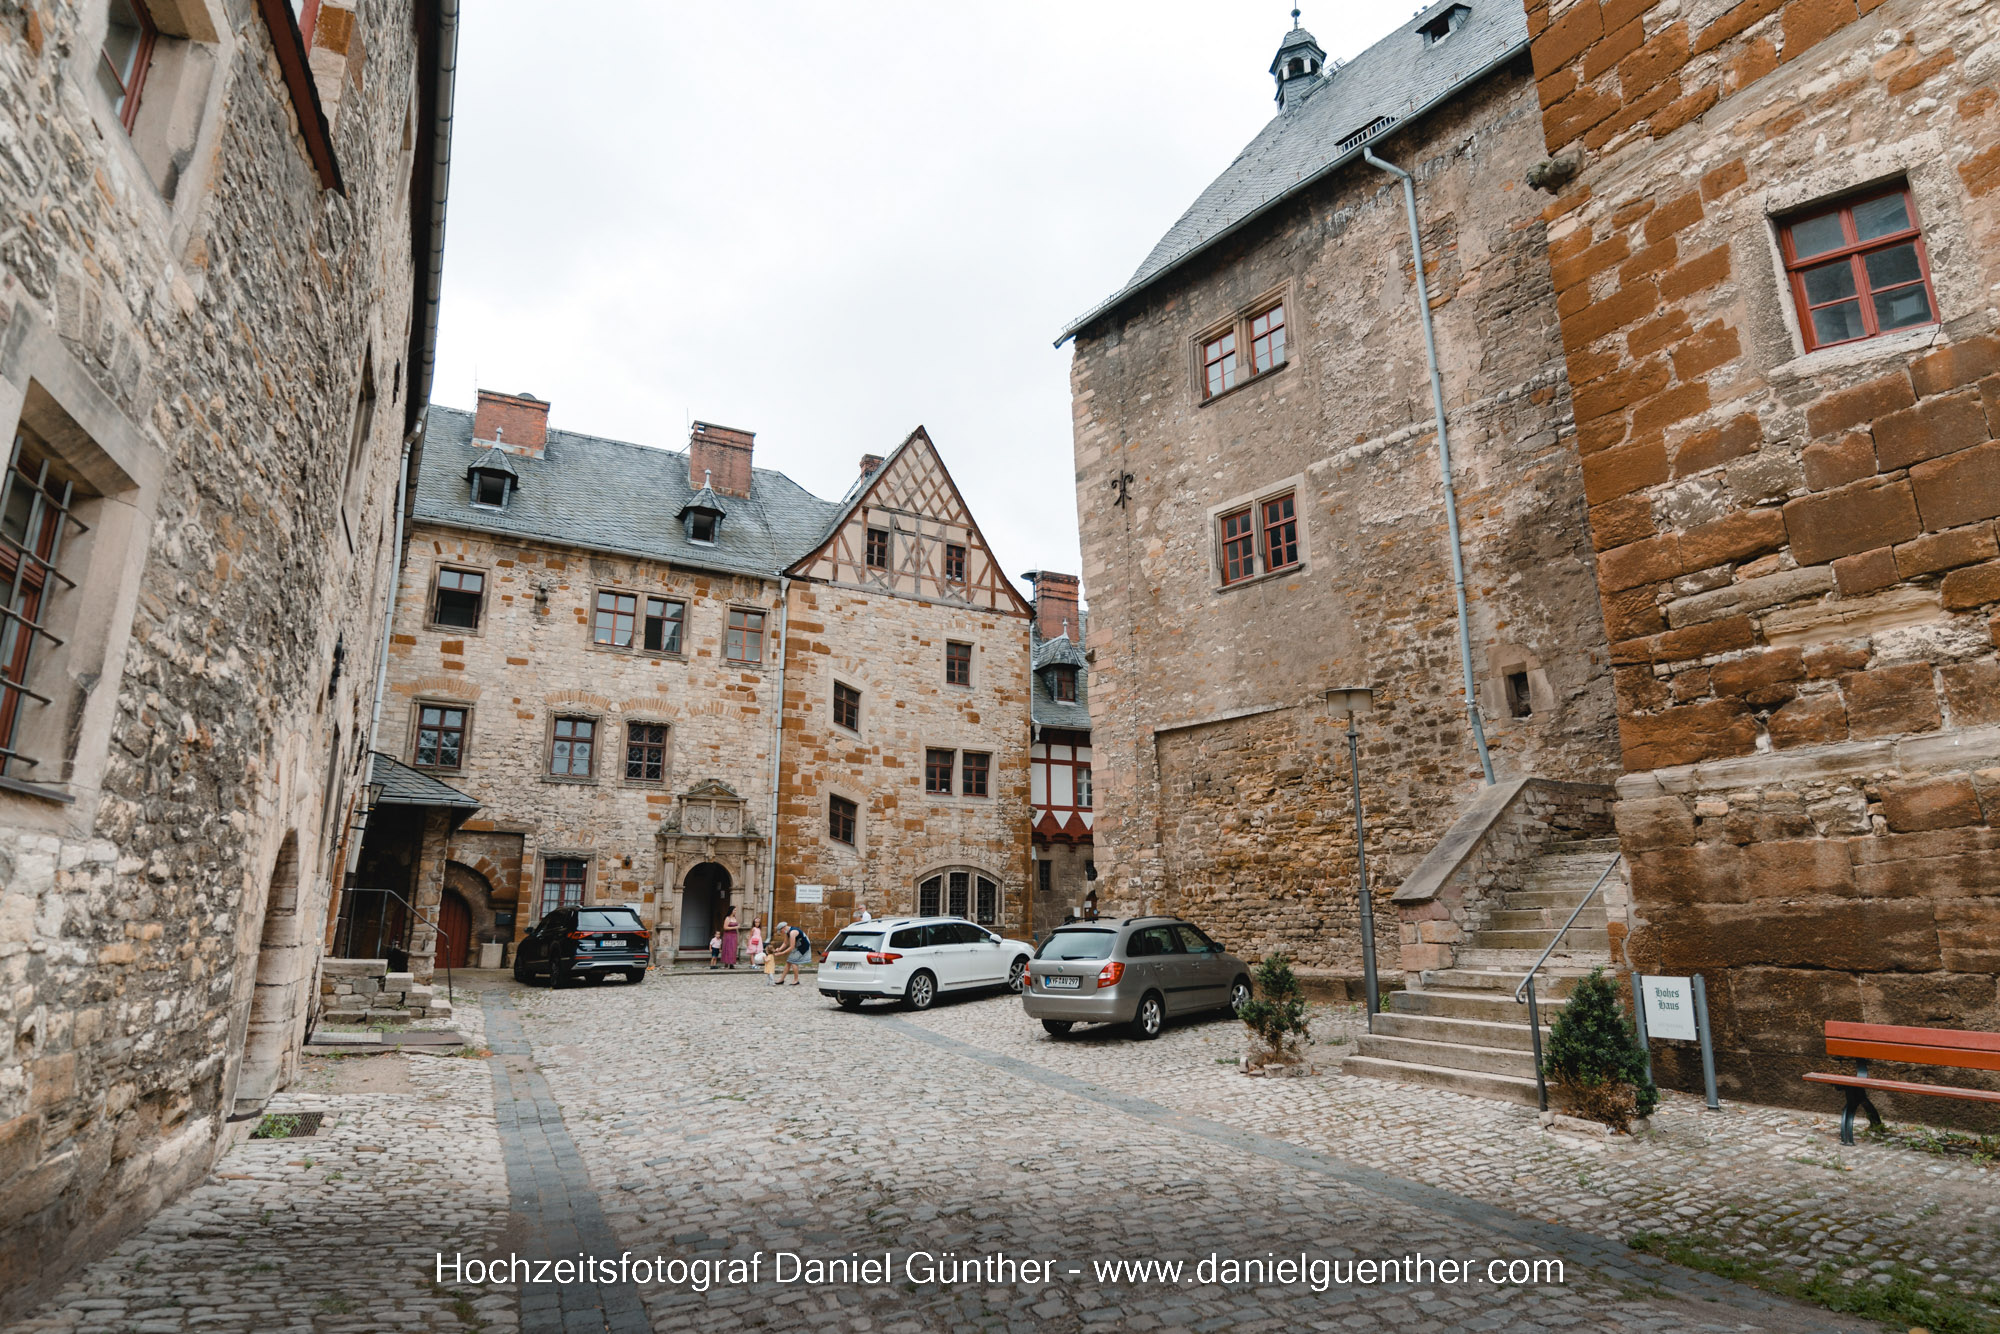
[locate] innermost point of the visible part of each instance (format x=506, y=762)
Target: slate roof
x=404, y=786
x=1400, y=76
x=615, y=496
x=1043, y=707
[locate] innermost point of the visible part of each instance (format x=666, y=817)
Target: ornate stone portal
x=711, y=859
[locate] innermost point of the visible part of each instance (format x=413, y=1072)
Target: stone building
x=1059, y=756
x=1262, y=511
x=1774, y=268
x=219, y=244
x=592, y=641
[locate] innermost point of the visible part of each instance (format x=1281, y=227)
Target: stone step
x=1466, y=1032
x=1567, y=960
x=1511, y=918
x=1606, y=845
x=1557, y=982
x=1500, y=1088
x=1494, y=1006
x=1448, y=1055
x=1578, y=939
x=1564, y=899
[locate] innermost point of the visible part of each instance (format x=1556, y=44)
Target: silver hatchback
x=1140, y=971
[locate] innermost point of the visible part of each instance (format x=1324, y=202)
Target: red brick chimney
x=870, y=464
x=1056, y=598
x=518, y=423
x=721, y=454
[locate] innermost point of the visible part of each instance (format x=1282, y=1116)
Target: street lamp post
x=1352, y=700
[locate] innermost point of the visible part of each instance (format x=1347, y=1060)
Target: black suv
x=572, y=943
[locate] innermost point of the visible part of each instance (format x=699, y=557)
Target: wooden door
x=454, y=931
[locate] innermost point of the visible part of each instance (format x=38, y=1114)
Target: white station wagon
x=914, y=958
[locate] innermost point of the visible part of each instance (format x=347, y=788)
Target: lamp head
x=1350, y=699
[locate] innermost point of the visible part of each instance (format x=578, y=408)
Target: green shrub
x=1277, y=1014
x=1593, y=1058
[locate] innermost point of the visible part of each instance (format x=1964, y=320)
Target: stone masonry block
x=1930, y=803
x=1972, y=692
x=1813, y=721
x=1891, y=701
x=1849, y=408
x=1944, y=551
x=1959, y=489
x=1854, y=518
x=1934, y=427
x=1687, y=734
x=1963, y=590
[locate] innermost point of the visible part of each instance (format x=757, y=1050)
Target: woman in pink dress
x=729, y=940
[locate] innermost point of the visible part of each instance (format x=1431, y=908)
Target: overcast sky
x=830, y=223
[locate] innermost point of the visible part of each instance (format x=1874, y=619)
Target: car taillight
x=1110, y=974
x=583, y=935
x=879, y=959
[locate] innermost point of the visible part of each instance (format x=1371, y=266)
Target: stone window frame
x=1238, y=323
x=438, y=567
x=941, y=872
x=597, y=595
x=670, y=654
x=985, y=775
x=543, y=856
x=1935, y=193
x=172, y=141
x=417, y=707
x=860, y=706
x=859, y=846
x=763, y=634
x=971, y=656
x=593, y=716
x=1254, y=501
x=666, y=753
x=924, y=769
x=1855, y=252
x=44, y=389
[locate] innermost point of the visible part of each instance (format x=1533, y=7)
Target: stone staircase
x=1459, y=1028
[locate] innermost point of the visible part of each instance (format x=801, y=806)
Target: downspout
x=395, y=583
x=1444, y=458
x=777, y=751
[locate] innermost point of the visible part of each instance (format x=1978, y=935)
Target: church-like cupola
x=1299, y=66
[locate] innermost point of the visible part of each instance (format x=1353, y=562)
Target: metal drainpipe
x=395, y=580
x=1444, y=456
x=777, y=751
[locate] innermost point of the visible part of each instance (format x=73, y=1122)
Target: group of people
x=789, y=947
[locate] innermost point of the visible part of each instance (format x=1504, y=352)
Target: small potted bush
x=1593, y=1065
x=1276, y=1017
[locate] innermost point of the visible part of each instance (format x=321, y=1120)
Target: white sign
x=1669, y=1007
x=809, y=894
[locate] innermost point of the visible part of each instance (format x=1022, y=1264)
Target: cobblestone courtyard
x=701, y=1117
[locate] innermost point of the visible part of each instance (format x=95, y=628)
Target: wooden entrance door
x=454, y=939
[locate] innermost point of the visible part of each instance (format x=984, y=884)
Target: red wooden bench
x=1911, y=1046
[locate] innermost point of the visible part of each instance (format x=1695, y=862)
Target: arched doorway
x=454, y=936
x=704, y=905
x=266, y=1039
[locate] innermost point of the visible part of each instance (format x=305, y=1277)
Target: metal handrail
x=1526, y=991
x=449, y=995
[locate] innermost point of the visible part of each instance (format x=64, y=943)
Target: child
x=715, y=951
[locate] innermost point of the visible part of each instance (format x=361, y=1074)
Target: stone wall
x=192, y=318
x=364, y=991
x=533, y=657
x=891, y=649
x=1796, y=548
x=1222, y=781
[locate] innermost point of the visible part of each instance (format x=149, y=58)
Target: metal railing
x=449, y=995
x=1526, y=991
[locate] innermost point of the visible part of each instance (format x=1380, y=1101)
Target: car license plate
x=837, y=967
x=1062, y=983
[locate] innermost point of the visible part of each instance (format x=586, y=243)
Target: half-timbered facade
x=904, y=768
x=1060, y=779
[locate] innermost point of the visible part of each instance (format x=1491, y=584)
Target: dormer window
x=489, y=490
x=1062, y=683
x=1445, y=24
x=701, y=527
x=703, y=515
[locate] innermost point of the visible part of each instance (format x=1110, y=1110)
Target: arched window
x=960, y=891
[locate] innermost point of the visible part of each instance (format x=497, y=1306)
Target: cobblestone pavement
x=711, y=1119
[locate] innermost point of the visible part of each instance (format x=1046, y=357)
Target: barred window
x=645, y=752
x=440, y=737
x=989, y=901
x=36, y=494
x=927, y=896
x=961, y=891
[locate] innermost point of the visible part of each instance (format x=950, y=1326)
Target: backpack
x=801, y=941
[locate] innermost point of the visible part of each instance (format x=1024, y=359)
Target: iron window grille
x=1859, y=269
x=928, y=896
x=961, y=892
x=1044, y=875
x=663, y=625
x=746, y=636
x=35, y=513
x=840, y=814
x=440, y=737
x=645, y=752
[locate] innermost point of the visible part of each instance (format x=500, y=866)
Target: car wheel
x=1239, y=994
x=1017, y=976
x=847, y=1000
x=635, y=977
x=1151, y=1018
x=1058, y=1027
x=559, y=976
x=923, y=990
x=520, y=974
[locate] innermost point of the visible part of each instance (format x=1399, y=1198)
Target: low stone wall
x=364, y=991
x=1443, y=901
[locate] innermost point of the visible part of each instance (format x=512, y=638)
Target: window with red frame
x=938, y=765
x=1062, y=683
x=1859, y=269
x=957, y=663
x=570, y=747
x=1218, y=365
x=1267, y=340
x=1239, y=546
x=746, y=637
x=972, y=770
x=840, y=814
x=562, y=883
x=954, y=563
x=127, y=53
x=35, y=500
x=847, y=707
x=1281, y=533
x=617, y=615
x=878, y=548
